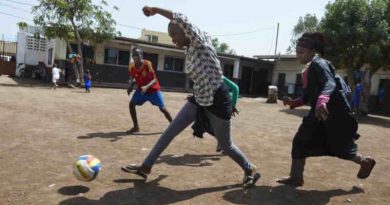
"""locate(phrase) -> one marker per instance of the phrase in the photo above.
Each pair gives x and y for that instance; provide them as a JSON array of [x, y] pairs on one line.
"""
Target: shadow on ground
[[73, 190], [114, 136], [189, 160], [376, 120], [152, 193], [285, 195], [146, 193], [300, 112]]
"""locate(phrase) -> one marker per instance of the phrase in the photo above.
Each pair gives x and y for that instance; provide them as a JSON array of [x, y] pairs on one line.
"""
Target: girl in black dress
[[329, 129]]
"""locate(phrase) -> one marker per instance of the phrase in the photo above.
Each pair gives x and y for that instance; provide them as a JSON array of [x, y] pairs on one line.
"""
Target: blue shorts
[[155, 98]]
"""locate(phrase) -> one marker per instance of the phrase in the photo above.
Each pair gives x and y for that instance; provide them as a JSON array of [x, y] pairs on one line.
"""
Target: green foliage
[[221, 47], [358, 34], [79, 20], [309, 23], [22, 25], [65, 18]]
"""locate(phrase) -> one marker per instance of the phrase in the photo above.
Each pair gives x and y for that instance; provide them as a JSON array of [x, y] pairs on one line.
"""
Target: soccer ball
[[86, 168]]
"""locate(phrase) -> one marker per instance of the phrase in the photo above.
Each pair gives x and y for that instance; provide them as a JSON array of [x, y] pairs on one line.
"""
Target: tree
[[221, 47], [309, 23], [79, 20], [358, 35], [22, 25]]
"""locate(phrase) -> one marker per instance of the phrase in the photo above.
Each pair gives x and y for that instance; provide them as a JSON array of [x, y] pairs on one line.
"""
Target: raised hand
[[287, 101], [235, 111], [148, 11]]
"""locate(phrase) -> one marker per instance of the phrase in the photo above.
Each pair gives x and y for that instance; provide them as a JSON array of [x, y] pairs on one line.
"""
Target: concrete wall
[[291, 67], [375, 80], [162, 36]]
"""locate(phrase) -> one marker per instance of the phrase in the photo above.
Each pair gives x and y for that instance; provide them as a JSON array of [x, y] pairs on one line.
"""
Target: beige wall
[[162, 36], [99, 54], [291, 67], [375, 79]]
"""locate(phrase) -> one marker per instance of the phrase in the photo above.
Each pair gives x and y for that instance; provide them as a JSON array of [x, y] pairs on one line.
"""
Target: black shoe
[[136, 169], [250, 180]]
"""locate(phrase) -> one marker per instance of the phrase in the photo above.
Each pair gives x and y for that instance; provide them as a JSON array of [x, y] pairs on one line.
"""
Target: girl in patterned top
[[210, 96]]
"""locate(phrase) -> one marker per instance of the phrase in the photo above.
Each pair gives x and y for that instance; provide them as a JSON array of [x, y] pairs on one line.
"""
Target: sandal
[[366, 167], [291, 181], [250, 180], [136, 169], [132, 130]]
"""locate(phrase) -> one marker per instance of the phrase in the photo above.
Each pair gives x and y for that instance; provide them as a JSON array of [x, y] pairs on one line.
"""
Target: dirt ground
[[43, 131]]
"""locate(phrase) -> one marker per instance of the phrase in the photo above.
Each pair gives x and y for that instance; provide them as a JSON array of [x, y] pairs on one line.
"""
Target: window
[[88, 52], [173, 64], [228, 71], [116, 56], [151, 38], [36, 44], [123, 57], [50, 56], [281, 79], [152, 57]]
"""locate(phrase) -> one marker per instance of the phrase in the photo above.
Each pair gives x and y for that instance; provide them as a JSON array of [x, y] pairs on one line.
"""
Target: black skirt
[[334, 137]]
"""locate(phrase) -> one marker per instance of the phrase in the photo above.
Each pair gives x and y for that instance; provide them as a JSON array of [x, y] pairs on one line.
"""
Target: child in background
[[87, 81], [55, 76]]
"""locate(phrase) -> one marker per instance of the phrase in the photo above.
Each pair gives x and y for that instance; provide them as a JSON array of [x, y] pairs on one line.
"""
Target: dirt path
[[43, 131]]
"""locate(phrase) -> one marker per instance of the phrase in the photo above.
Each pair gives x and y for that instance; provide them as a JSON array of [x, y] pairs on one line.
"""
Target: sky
[[247, 26]]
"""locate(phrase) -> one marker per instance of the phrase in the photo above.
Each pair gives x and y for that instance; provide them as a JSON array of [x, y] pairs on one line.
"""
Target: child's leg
[[166, 114], [221, 128], [366, 163], [185, 117], [157, 99], [296, 173]]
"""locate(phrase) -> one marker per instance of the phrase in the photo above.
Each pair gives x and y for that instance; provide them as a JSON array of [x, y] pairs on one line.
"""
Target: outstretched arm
[[151, 11]]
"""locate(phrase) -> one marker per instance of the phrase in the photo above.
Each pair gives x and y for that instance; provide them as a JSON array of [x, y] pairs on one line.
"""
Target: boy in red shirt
[[147, 87]]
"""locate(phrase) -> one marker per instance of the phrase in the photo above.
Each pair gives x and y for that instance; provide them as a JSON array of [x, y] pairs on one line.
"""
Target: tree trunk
[[70, 50], [80, 69]]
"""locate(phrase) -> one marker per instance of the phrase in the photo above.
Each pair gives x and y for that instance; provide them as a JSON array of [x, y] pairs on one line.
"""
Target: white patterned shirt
[[202, 62]]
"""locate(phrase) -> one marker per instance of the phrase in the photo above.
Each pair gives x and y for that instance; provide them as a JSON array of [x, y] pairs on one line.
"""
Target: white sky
[[252, 22]]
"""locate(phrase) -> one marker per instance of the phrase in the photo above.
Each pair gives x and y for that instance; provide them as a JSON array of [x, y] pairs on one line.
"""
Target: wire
[[21, 3], [248, 32], [15, 7], [133, 27], [16, 16]]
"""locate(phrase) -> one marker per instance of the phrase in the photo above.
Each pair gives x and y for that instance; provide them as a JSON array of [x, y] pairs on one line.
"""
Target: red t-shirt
[[144, 75]]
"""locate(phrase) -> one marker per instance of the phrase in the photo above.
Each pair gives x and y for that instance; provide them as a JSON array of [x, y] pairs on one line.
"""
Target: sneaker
[[139, 170], [249, 181]]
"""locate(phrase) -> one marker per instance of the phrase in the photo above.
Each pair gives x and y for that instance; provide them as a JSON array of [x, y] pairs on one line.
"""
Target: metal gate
[[7, 57]]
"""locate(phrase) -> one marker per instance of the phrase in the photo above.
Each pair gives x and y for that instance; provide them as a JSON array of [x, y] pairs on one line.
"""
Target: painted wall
[[162, 36]]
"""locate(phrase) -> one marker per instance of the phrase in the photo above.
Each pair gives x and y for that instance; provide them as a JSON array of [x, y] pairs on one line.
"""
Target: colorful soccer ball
[[86, 168]]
